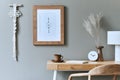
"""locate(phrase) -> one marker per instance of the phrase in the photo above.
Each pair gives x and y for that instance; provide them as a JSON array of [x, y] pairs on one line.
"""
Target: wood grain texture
[[76, 67], [106, 69]]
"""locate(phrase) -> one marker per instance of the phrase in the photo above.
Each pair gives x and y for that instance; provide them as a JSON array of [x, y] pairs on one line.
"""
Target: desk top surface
[[77, 65]]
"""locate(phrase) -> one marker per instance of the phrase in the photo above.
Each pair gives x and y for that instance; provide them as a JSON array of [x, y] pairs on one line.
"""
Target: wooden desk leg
[[55, 75]]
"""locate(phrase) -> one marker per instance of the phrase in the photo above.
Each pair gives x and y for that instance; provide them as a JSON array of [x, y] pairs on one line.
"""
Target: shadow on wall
[[66, 25], [105, 24]]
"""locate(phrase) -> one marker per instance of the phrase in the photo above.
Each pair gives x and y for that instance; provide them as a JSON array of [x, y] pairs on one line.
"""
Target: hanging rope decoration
[[15, 14]]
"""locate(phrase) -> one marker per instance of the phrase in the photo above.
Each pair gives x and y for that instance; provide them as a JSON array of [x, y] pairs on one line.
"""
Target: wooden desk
[[75, 66]]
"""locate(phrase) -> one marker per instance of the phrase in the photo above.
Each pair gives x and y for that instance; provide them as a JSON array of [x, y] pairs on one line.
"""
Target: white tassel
[[15, 14]]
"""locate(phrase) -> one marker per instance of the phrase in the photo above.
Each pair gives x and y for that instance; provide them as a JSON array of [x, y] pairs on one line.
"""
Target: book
[[77, 61]]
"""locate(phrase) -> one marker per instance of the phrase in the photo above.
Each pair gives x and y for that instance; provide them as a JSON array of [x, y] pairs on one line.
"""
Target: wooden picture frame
[[48, 25]]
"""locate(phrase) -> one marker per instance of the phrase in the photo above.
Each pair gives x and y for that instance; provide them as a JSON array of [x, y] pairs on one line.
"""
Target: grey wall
[[33, 59]]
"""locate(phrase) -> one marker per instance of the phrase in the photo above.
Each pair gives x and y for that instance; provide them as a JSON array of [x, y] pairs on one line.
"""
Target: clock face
[[93, 55]]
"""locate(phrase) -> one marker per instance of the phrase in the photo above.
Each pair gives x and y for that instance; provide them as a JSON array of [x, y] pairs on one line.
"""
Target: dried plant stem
[[92, 26]]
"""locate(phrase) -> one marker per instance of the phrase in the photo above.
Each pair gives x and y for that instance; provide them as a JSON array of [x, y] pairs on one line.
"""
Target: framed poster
[[48, 25]]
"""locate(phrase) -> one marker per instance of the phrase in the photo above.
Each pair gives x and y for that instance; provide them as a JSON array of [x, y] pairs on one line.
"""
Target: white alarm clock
[[92, 55]]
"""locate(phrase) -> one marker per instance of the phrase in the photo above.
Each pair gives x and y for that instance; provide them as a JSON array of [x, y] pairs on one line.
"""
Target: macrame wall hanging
[[15, 14]]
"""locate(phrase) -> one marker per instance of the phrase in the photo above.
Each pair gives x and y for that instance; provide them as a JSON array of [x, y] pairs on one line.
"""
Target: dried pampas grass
[[92, 26]]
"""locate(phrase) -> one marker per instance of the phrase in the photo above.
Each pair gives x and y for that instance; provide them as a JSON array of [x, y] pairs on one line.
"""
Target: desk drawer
[[75, 67]]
